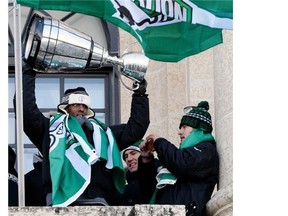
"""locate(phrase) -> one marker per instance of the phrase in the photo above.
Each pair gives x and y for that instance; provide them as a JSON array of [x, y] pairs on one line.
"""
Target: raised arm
[[33, 120], [139, 120]]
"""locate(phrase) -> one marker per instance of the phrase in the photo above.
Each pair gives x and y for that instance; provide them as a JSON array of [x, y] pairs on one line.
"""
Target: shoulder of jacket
[[49, 114]]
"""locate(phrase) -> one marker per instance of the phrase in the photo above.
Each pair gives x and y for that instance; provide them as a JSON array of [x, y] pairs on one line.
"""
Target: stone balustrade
[[137, 210]]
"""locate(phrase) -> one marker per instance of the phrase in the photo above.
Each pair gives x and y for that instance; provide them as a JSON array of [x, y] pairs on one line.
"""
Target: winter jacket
[[36, 127], [197, 169], [34, 194], [12, 178], [133, 194]]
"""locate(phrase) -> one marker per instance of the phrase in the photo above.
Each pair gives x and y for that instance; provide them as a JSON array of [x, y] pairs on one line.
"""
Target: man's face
[[184, 131], [131, 159], [77, 110]]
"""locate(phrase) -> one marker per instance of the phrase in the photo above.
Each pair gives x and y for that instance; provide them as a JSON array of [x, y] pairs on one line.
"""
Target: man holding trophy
[[81, 155]]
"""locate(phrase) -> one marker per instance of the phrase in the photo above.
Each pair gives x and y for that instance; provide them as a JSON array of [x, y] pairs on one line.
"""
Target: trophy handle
[[126, 86]]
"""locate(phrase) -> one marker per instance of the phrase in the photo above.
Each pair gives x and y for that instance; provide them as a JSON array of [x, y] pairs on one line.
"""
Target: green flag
[[168, 30], [71, 157]]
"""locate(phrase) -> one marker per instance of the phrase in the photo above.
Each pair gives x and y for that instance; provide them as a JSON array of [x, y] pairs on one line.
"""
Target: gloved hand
[[27, 69], [87, 128], [142, 87], [85, 123]]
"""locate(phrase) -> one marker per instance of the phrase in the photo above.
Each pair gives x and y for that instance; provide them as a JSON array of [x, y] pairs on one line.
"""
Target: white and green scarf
[[165, 177], [71, 157]]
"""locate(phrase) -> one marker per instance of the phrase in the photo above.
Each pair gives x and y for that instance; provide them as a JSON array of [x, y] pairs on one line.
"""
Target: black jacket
[[36, 127], [133, 193], [34, 194], [197, 169], [12, 178]]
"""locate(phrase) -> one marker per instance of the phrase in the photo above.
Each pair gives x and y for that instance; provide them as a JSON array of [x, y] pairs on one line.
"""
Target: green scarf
[[71, 157], [164, 177]]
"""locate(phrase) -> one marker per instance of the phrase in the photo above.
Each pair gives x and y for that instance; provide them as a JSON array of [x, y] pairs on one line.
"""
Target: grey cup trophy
[[52, 46]]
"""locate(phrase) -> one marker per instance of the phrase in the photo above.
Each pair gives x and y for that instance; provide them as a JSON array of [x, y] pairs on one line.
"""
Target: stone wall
[[137, 210]]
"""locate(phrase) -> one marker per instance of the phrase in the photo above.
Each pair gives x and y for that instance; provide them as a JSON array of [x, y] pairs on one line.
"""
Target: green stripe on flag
[[68, 185]]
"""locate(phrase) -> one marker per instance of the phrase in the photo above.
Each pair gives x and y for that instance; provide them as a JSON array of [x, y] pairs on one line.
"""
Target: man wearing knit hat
[[132, 194], [188, 174], [81, 155], [130, 155]]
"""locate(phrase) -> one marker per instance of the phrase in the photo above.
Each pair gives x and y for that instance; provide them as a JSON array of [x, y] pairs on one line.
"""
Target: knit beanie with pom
[[198, 117]]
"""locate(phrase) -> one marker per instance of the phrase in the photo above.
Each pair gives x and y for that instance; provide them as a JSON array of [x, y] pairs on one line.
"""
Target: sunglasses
[[187, 109]]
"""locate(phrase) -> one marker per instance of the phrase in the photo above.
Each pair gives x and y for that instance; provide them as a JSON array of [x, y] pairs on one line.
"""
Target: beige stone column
[[221, 203]]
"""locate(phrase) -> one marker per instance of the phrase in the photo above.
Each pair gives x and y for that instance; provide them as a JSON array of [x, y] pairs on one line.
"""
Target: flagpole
[[19, 103]]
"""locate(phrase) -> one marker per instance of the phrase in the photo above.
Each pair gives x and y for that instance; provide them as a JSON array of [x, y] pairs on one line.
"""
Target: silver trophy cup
[[52, 46]]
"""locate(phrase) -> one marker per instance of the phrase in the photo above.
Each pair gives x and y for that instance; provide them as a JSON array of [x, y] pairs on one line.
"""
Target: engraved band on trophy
[[52, 46]]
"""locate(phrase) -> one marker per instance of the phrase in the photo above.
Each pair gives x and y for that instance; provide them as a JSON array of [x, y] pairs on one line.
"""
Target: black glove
[[27, 69], [87, 128], [142, 87], [85, 123]]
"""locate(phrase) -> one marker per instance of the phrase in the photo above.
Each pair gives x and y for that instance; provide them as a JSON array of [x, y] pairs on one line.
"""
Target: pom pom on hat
[[198, 117], [76, 96]]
